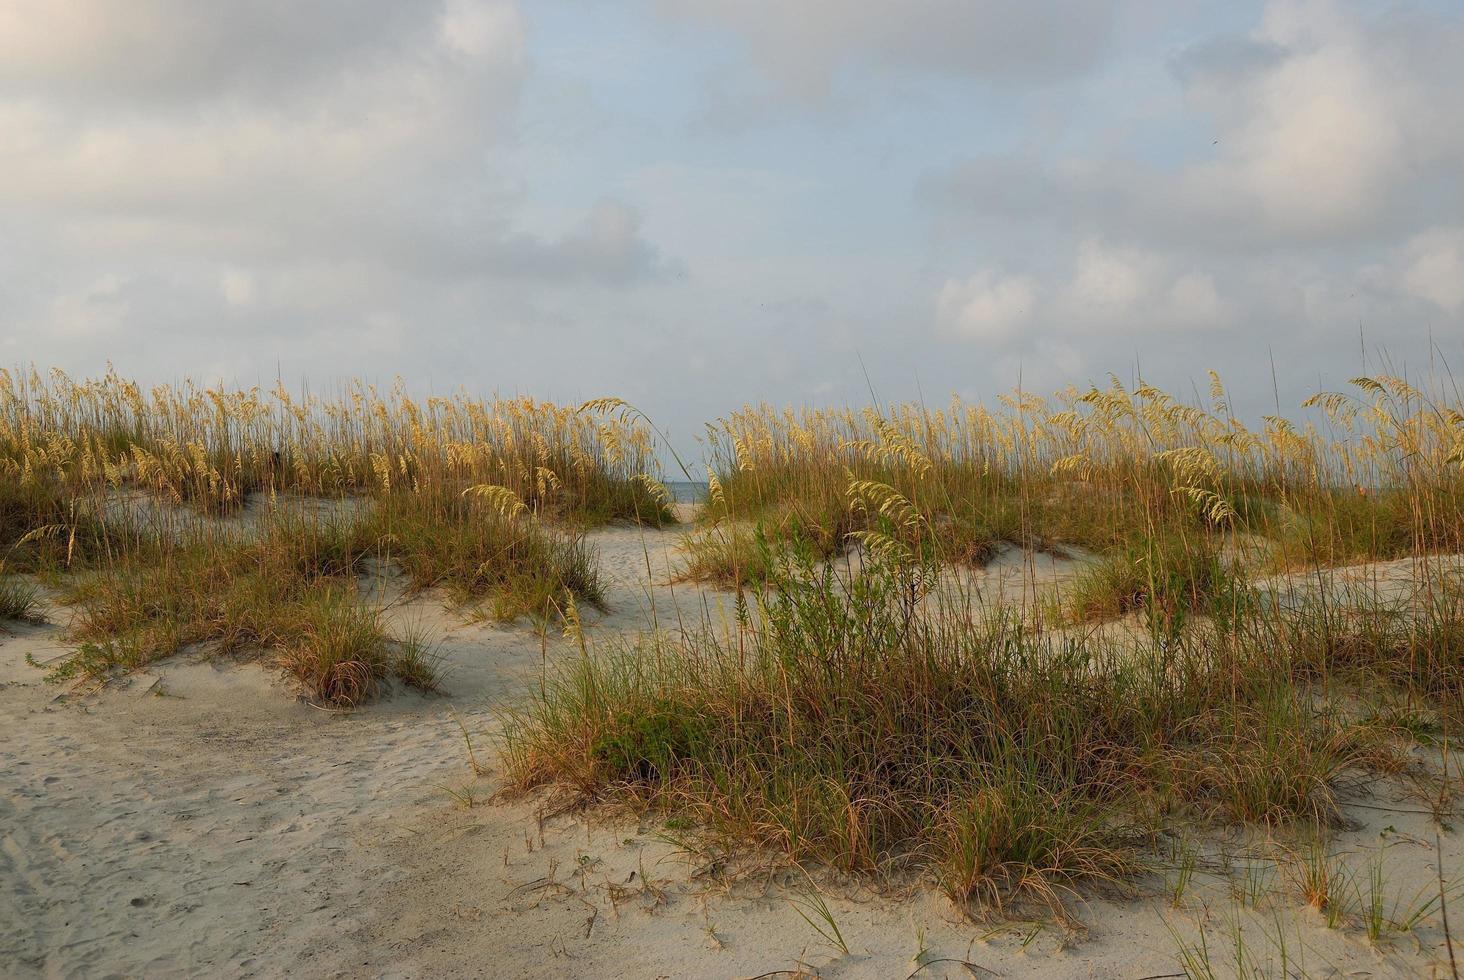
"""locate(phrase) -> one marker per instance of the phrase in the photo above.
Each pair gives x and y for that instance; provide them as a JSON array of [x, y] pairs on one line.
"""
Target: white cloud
[[237, 287], [1106, 290], [131, 51], [162, 141], [94, 312], [467, 191], [492, 32], [406, 115], [1299, 192], [1110, 281], [1323, 126], [1193, 299], [1433, 268], [1312, 139], [1115, 287], [986, 307]]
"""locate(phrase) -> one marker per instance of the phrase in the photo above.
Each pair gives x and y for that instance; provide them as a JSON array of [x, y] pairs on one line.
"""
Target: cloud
[[949, 192], [803, 48], [1433, 268], [133, 52], [268, 106], [1312, 138], [985, 307], [1305, 197], [1321, 127], [1130, 288], [1109, 281], [488, 32], [301, 169], [1192, 298], [237, 286], [1104, 290]]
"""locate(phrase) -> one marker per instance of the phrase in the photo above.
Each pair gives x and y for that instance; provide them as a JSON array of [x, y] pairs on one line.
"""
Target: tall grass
[[862, 721], [211, 447], [475, 550], [239, 520], [1375, 474], [18, 600], [881, 714]]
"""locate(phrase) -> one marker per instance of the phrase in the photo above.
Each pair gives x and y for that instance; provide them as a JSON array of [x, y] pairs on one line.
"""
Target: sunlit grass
[[262, 510], [877, 713]]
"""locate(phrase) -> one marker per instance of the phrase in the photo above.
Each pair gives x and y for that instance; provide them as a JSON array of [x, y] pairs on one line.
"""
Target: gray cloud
[[1321, 130], [437, 189], [1230, 59], [180, 172], [185, 51], [804, 47], [1312, 190]]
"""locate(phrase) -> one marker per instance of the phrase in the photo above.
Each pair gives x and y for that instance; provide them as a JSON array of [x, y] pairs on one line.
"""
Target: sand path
[[201, 821]]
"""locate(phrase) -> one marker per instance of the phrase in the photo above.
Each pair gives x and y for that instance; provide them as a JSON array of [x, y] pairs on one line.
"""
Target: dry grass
[[270, 506], [874, 715], [1376, 474], [211, 448], [859, 722], [475, 550], [885, 718], [287, 591]]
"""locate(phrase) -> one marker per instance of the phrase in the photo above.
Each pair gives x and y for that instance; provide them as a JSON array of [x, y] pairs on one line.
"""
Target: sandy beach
[[199, 819], [843, 489]]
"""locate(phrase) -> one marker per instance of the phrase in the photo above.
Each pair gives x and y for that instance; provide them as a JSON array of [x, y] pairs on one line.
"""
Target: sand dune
[[200, 820]]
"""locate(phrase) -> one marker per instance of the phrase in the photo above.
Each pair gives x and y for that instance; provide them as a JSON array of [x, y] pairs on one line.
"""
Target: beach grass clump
[[1009, 837], [1333, 526], [850, 721], [241, 519], [19, 600], [416, 661], [210, 448], [210, 586], [1166, 577], [289, 592], [730, 555], [289, 585], [335, 648], [1277, 759], [744, 541], [42, 528], [476, 549], [736, 553], [1413, 646], [1379, 475]]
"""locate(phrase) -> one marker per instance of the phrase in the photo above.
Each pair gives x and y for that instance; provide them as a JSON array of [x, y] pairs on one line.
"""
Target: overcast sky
[[694, 204]]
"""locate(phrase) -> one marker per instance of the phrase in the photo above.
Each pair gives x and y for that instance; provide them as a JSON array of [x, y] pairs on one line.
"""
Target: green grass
[[338, 651], [44, 528], [288, 586], [1330, 526], [881, 721], [1415, 648], [850, 724], [19, 600], [75, 455], [289, 593], [1166, 576], [461, 544], [416, 661]]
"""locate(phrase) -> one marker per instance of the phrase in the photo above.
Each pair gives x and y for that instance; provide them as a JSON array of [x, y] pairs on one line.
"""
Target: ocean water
[[687, 493]]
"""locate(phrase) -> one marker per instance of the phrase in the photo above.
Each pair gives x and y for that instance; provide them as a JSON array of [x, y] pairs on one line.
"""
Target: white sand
[[201, 821]]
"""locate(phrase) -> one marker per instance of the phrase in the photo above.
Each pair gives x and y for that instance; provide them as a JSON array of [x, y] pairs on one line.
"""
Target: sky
[[697, 204]]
